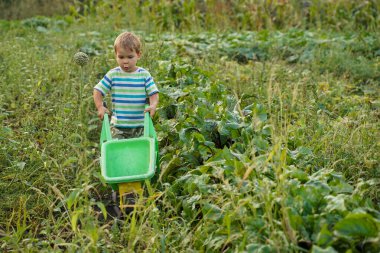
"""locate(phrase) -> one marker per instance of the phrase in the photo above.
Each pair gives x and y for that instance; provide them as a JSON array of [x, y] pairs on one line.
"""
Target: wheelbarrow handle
[[147, 120], [106, 130]]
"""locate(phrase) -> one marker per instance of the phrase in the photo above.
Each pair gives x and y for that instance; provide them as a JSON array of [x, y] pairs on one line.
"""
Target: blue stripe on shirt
[[154, 92], [106, 84], [130, 117], [129, 101], [128, 96], [128, 112], [138, 80], [150, 84], [128, 85], [107, 79]]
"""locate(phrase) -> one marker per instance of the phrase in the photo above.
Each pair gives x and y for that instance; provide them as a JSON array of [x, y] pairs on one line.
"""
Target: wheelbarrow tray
[[128, 160]]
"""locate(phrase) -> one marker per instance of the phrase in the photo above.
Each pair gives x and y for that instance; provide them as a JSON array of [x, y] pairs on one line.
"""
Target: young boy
[[130, 86]]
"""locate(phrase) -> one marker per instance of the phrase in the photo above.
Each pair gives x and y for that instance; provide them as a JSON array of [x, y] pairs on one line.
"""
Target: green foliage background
[[268, 127]]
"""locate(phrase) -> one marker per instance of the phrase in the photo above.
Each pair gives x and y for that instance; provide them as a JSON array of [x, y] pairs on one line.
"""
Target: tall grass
[[21, 9], [322, 112], [237, 15], [211, 15]]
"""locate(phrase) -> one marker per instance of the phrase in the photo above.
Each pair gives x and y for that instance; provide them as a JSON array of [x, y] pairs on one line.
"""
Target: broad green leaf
[[205, 151], [232, 125], [321, 186], [173, 164], [193, 199], [185, 133], [310, 197], [200, 183], [338, 185], [304, 151], [199, 137], [259, 248], [357, 225], [336, 203], [317, 249], [301, 175], [324, 237], [267, 130], [261, 144], [212, 212], [295, 219], [221, 154], [300, 152], [262, 117]]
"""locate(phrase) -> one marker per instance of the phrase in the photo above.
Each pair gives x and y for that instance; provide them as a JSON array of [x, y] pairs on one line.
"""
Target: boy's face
[[127, 59]]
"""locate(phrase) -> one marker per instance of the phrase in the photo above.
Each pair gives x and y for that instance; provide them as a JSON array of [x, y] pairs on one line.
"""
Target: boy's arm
[[153, 102], [98, 99]]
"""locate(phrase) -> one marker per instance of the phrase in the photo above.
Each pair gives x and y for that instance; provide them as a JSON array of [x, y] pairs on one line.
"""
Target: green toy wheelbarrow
[[125, 163]]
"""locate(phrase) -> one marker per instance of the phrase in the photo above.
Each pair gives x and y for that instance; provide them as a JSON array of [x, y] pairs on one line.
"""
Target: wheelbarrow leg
[[115, 205], [128, 194]]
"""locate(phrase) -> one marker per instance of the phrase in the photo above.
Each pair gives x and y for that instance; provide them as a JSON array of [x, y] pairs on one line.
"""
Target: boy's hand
[[151, 109], [153, 102], [101, 111], [98, 100]]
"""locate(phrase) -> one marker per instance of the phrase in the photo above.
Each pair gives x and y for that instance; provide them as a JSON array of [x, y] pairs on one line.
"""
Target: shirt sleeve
[[104, 86], [150, 85]]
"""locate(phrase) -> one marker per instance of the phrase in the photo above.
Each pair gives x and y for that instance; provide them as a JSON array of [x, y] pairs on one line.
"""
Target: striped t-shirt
[[129, 92]]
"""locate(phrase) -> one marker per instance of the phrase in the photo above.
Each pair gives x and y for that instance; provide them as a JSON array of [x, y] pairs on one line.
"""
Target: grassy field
[[268, 128]]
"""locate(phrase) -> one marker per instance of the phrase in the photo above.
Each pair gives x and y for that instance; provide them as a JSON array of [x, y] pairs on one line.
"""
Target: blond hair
[[128, 40]]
